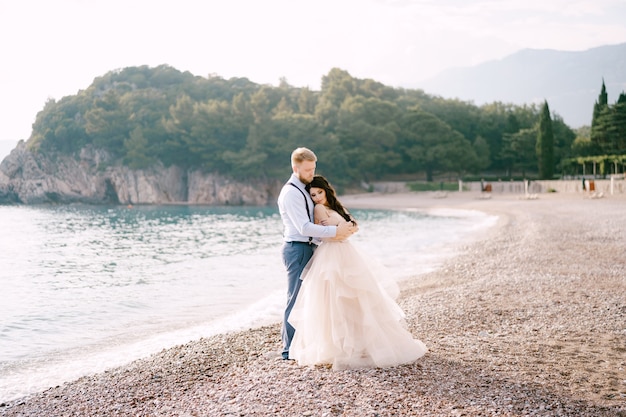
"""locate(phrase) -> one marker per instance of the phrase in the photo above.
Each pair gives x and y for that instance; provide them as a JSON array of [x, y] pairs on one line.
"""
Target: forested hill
[[359, 128]]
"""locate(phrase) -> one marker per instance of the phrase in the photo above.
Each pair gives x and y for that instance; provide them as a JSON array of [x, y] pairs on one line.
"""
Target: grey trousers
[[295, 257]]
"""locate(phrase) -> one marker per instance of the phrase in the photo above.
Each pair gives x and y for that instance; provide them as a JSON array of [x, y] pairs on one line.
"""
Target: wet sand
[[528, 319]]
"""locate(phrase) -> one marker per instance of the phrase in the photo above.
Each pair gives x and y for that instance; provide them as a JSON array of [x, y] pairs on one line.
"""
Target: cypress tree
[[619, 125], [603, 98], [600, 123], [545, 144]]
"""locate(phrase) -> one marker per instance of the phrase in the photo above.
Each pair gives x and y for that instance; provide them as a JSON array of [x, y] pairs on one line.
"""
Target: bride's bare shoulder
[[321, 210]]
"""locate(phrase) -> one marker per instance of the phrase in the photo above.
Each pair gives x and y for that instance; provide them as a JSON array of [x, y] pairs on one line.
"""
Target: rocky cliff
[[28, 177]]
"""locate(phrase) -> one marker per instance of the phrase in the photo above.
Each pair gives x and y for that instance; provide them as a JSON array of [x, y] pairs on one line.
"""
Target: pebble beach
[[528, 319]]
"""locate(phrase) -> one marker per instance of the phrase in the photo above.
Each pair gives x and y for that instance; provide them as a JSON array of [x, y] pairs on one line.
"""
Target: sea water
[[87, 288]]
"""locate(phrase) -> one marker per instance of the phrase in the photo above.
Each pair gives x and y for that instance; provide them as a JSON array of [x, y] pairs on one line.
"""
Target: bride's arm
[[344, 229], [320, 215]]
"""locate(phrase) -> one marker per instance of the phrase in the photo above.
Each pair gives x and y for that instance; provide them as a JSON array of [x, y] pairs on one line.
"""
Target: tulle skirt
[[346, 316]]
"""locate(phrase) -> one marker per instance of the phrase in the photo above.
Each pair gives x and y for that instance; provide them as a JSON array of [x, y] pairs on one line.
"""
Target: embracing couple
[[339, 311]]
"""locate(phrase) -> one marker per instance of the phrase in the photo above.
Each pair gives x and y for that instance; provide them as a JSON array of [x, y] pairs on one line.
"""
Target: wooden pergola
[[601, 164]]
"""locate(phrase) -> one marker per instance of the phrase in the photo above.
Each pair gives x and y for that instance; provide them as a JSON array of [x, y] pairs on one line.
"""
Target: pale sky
[[51, 49]]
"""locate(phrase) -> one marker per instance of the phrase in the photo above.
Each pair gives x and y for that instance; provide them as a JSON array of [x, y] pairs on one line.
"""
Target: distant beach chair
[[485, 191], [594, 194]]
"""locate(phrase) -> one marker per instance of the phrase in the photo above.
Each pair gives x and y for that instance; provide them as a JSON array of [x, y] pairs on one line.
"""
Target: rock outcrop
[[28, 177]]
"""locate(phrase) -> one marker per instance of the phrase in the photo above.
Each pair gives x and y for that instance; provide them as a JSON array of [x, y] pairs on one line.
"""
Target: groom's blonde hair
[[302, 154]]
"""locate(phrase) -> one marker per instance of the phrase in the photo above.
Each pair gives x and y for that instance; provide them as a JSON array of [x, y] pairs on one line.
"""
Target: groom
[[301, 235]]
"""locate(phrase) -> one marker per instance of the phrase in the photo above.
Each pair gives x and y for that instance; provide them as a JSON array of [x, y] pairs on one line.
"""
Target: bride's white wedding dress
[[345, 314]]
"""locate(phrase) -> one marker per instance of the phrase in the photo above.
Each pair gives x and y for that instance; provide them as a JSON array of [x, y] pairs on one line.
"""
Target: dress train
[[346, 315]]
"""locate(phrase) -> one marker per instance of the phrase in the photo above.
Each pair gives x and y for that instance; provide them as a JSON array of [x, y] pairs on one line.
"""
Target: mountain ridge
[[569, 80]]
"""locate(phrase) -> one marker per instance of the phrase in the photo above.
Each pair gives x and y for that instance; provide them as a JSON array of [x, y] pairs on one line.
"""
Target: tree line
[[602, 148], [360, 129]]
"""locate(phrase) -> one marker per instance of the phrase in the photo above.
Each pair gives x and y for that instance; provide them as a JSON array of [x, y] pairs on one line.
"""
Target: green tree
[[564, 138], [432, 146], [367, 130], [495, 121], [601, 122], [582, 145], [520, 150], [337, 86], [60, 126], [545, 144], [179, 124], [107, 123], [306, 101], [136, 147], [483, 157], [215, 132], [619, 125]]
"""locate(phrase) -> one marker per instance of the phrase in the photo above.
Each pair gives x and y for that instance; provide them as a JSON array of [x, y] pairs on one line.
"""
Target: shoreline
[[528, 319]]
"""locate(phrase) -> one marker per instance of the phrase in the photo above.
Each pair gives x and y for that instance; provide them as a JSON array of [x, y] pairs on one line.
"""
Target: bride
[[345, 314]]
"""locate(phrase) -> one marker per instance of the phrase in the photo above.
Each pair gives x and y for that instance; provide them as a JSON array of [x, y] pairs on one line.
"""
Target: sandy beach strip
[[529, 319]]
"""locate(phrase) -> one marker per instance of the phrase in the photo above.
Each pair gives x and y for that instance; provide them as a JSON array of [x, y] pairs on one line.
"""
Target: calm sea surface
[[89, 288]]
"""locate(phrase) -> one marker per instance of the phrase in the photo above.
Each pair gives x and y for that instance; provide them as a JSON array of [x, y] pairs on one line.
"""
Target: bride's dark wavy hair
[[331, 196]]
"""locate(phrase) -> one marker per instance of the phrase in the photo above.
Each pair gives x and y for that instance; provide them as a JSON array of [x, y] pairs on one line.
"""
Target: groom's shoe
[[275, 355]]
